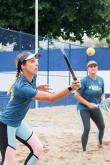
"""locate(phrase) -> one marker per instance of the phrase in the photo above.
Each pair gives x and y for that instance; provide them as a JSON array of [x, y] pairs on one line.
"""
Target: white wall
[[57, 80]]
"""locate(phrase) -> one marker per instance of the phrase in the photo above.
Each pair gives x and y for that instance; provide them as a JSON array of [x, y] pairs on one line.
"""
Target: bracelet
[[70, 88]]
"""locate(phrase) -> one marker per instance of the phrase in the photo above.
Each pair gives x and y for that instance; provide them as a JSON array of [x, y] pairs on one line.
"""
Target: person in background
[[91, 93], [22, 92]]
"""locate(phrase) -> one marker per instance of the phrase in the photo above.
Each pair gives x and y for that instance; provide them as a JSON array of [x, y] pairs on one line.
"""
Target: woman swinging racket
[[23, 91]]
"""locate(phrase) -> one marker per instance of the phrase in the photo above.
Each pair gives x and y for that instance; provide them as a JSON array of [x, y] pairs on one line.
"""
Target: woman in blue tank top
[[91, 93], [23, 91]]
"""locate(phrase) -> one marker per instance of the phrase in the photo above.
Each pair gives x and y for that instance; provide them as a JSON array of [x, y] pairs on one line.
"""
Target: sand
[[59, 129]]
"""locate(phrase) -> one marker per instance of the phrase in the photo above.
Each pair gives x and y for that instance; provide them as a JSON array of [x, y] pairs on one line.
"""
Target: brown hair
[[18, 69]]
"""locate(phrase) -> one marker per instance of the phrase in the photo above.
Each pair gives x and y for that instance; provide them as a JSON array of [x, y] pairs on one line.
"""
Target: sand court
[[59, 129]]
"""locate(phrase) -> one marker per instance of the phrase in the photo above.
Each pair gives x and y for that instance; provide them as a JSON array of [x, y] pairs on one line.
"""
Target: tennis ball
[[90, 51]]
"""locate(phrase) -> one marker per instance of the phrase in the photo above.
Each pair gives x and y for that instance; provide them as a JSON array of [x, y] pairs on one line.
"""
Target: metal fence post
[[48, 62]]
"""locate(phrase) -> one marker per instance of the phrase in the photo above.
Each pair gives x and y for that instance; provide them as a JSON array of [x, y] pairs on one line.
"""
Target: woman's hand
[[92, 105], [75, 85], [44, 88]]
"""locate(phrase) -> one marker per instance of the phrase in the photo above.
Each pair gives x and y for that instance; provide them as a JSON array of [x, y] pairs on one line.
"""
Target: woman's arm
[[81, 99], [51, 97], [44, 88], [84, 101]]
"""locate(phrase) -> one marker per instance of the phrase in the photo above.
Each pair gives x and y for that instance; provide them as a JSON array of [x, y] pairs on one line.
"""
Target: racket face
[[105, 105]]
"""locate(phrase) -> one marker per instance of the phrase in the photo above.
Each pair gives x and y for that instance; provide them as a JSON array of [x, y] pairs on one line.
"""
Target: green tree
[[18, 15], [71, 19]]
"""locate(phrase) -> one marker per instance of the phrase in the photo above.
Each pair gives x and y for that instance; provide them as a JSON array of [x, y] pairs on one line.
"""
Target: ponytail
[[18, 72]]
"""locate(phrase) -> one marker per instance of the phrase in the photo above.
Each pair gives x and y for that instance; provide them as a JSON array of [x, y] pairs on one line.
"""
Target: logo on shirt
[[94, 87]]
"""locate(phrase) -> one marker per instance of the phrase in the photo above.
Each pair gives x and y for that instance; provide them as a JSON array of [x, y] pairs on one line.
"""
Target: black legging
[[97, 117]]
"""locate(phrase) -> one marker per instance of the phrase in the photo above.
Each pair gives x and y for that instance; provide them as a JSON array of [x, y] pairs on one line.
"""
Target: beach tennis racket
[[68, 64], [104, 105]]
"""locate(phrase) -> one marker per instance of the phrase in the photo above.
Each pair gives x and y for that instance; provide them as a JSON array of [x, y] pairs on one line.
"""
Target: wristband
[[70, 89]]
